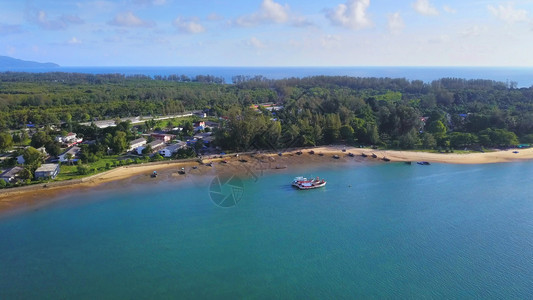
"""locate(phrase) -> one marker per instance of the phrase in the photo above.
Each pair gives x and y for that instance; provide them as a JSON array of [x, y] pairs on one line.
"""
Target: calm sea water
[[380, 231], [523, 76]]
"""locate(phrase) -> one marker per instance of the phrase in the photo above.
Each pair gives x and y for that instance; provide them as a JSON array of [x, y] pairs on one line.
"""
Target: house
[[20, 158], [11, 174], [47, 171], [207, 137], [155, 145], [200, 125], [136, 144], [72, 151], [171, 149], [69, 140], [163, 136]]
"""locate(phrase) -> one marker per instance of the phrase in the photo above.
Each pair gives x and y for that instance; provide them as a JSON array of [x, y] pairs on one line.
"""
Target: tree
[[32, 157], [6, 141], [428, 141], [147, 150], [40, 139], [26, 173], [69, 157], [53, 148], [119, 143], [347, 133]]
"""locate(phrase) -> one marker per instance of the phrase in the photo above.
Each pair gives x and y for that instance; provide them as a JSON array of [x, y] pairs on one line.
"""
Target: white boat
[[303, 183]]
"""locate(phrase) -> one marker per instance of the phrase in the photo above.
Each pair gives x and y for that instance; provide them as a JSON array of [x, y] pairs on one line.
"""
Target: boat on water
[[424, 163], [303, 183], [385, 158]]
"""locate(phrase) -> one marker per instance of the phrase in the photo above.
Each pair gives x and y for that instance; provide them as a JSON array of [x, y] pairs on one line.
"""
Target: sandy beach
[[248, 165]]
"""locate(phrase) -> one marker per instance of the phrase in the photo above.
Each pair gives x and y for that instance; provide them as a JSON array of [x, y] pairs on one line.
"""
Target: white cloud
[[255, 43], [188, 26], [269, 11], [129, 19], [74, 41], [425, 8], [330, 41], [508, 13], [40, 17], [351, 15], [215, 17], [396, 23], [150, 2], [449, 9]]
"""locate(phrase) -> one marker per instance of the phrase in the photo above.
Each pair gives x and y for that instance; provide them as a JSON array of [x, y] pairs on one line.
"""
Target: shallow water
[[382, 231]]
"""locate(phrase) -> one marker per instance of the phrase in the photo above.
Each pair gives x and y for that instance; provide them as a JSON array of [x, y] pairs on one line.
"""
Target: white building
[[172, 149], [73, 151], [137, 143], [155, 145]]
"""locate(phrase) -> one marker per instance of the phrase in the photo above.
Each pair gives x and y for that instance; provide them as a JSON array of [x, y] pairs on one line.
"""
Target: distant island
[[7, 62]]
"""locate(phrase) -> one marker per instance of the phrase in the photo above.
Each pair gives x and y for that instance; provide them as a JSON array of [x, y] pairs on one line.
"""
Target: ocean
[[523, 76], [386, 230]]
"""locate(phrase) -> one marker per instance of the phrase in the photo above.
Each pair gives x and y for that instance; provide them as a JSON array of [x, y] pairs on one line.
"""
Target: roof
[[140, 140], [72, 150], [47, 168], [157, 143], [174, 147], [11, 172]]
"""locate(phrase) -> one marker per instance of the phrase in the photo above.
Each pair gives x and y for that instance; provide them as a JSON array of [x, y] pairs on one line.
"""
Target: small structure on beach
[[47, 171]]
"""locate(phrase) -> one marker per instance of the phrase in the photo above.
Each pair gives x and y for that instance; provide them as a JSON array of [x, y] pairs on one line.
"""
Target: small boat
[[243, 160], [278, 167], [385, 158], [154, 174], [407, 162], [363, 154], [209, 164], [374, 155], [299, 153], [182, 171], [515, 152], [320, 154], [311, 152], [336, 156], [343, 150], [423, 163], [351, 154], [223, 161], [303, 183], [194, 167], [280, 154]]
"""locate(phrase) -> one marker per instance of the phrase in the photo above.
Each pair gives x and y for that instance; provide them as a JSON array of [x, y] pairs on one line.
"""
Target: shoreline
[[33, 195]]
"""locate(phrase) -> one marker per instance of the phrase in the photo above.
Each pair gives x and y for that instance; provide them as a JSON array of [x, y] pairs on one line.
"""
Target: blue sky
[[268, 32]]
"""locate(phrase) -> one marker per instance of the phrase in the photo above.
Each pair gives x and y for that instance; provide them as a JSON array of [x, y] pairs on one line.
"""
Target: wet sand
[[247, 165]]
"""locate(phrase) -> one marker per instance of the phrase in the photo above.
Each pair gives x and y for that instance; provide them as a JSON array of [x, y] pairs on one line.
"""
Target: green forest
[[445, 114]]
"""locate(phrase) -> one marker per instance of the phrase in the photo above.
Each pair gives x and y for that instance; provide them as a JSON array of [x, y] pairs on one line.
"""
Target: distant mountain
[[7, 62]]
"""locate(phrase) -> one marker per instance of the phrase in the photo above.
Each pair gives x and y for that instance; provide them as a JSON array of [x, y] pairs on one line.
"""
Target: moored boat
[[310, 184], [424, 163]]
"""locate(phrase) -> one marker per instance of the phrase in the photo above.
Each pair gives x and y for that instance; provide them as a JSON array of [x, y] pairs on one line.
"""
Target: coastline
[[33, 195]]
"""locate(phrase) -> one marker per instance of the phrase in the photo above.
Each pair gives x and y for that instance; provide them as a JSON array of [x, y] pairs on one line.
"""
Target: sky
[[268, 32]]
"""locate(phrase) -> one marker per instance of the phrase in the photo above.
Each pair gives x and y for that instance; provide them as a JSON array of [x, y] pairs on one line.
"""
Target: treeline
[[389, 112]]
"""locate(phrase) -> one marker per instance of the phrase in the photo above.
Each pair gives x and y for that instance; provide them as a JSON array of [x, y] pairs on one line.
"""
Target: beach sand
[[31, 196]]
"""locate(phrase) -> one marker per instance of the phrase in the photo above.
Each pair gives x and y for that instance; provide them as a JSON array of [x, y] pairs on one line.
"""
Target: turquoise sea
[[390, 231]]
